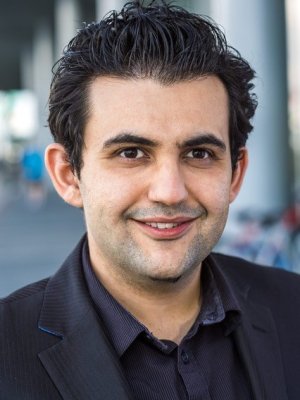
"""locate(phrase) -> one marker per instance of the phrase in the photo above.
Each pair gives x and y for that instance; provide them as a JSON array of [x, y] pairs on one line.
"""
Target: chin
[[167, 279]]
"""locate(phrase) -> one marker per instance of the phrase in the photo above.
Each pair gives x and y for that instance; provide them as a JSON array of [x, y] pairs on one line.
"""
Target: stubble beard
[[136, 268]]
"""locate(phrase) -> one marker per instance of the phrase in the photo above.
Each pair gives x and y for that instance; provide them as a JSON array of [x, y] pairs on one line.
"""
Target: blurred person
[[150, 110], [32, 165]]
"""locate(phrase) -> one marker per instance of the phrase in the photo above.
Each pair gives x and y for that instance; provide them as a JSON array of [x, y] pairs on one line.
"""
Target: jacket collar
[[83, 364]]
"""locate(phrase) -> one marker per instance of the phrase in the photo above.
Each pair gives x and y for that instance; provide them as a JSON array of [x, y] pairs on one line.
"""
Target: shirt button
[[185, 357]]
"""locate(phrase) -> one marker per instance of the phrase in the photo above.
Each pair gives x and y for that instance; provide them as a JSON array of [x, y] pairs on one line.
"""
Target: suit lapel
[[259, 347], [256, 339], [83, 364]]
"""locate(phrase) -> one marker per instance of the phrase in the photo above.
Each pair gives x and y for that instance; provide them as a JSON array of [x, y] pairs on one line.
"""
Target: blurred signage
[[18, 115]]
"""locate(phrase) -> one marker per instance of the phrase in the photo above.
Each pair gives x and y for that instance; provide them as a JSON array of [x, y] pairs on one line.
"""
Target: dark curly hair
[[159, 41]]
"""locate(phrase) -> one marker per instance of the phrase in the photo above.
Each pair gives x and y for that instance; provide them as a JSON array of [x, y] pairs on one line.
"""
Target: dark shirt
[[205, 365]]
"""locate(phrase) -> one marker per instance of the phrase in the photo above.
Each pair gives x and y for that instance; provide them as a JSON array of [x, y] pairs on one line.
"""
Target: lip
[[168, 233], [166, 220]]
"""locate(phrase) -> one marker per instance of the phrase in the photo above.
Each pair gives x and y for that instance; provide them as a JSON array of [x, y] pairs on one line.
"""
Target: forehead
[[161, 112]]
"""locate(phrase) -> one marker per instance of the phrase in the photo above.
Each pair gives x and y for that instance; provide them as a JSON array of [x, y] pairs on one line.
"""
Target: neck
[[168, 310]]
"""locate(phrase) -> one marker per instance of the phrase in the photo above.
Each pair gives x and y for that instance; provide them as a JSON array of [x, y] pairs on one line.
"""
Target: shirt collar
[[231, 306], [219, 304]]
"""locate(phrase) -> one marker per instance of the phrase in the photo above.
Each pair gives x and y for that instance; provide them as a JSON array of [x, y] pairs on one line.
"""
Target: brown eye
[[198, 153], [131, 152]]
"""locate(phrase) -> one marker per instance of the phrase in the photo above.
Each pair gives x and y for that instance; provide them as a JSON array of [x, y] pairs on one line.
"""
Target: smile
[[166, 230], [161, 225]]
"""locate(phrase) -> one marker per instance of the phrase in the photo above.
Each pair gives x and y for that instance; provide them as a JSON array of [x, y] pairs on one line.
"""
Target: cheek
[[213, 193], [110, 195]]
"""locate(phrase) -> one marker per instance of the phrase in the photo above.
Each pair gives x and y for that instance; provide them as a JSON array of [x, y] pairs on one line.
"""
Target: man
[[150, 111]]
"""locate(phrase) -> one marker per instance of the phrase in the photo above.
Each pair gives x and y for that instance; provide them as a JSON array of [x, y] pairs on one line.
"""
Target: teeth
[[161, 225]]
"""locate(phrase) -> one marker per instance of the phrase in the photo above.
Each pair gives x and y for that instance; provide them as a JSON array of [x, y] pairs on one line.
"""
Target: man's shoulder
[[33, 293], [24, 299], [243, 267], [21, 372], [265, 283]]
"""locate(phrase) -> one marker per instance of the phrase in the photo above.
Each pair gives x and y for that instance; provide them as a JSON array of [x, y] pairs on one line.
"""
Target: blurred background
[[37, 230]]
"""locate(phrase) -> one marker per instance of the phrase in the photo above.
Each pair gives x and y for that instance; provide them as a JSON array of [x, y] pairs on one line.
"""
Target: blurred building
[[33, 34]]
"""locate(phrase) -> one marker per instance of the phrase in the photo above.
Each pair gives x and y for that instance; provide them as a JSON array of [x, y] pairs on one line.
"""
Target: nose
[[167, 185]]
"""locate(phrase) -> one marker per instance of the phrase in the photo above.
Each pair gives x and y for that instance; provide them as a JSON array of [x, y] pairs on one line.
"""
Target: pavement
[[34, 238]]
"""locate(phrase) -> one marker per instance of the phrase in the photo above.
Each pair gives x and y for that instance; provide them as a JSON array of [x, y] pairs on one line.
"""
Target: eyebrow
[[129, 138], [201, 139]]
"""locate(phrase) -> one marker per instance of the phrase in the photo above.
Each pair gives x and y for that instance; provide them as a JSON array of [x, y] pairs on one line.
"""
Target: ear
[[238, 174], [61, 174]]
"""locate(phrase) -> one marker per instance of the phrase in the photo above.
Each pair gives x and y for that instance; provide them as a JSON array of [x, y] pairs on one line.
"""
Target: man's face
[[156, 180]]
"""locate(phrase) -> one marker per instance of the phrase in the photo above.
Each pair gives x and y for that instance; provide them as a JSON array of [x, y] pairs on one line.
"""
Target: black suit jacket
[[53, 345]]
